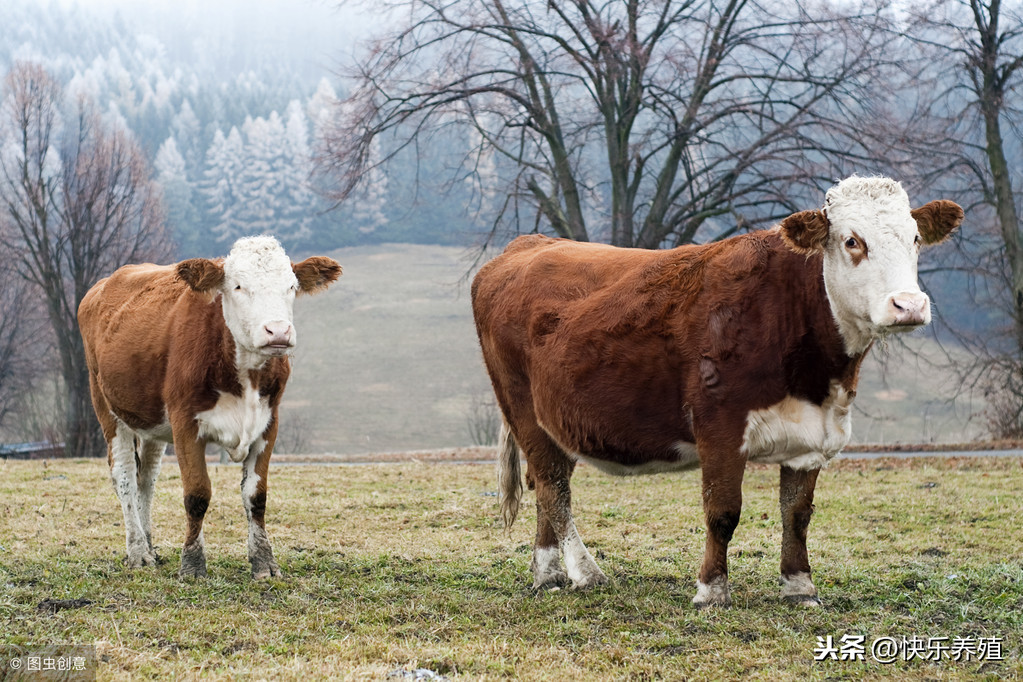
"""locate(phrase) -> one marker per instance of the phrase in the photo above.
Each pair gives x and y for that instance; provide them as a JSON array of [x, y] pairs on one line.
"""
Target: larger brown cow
[[744, 350], [195, 353]]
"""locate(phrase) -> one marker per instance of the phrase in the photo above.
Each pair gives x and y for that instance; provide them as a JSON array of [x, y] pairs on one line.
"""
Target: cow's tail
[[509, 476]]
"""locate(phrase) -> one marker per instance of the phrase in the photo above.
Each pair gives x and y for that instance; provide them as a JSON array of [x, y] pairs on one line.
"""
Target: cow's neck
[[857, 335], [237, 363], [840, 341], [247, 361]]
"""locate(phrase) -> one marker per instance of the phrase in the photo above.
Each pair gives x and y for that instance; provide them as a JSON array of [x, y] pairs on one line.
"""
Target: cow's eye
[[852, 243], [916, 240]]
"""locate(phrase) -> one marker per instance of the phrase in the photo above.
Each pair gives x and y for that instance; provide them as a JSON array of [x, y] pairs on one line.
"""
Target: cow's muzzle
[[909, 310], [279, 339]]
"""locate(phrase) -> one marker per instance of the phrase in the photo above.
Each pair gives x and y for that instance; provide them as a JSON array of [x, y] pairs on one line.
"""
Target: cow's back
[[127, 323]]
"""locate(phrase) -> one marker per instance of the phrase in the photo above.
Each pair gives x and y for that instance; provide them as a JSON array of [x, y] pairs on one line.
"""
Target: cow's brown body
[[159, 353], [689, 339], [165, 367], [642, 361]]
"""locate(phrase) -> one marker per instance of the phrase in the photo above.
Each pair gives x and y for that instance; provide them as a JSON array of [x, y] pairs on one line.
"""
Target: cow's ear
[[937, 220], [202, 275], [316, 273], [806, 231]]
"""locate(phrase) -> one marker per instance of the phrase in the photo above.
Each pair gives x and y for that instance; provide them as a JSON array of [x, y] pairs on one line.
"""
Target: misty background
[[228, 99]]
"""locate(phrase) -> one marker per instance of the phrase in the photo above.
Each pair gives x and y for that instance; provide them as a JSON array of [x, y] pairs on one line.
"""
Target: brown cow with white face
[[743, 350], [195, 353]]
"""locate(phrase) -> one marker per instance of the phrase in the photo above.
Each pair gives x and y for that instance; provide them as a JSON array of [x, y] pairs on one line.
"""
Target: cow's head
[[870, 240], [257, 284]]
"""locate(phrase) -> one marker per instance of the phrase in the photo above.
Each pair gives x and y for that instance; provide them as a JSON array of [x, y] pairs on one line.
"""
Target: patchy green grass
[[393, 567]]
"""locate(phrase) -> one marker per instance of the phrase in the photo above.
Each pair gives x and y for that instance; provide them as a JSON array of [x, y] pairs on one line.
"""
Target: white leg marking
[[123, 474], [582, 569], [714, 593], [150, 459], [799, 589], [547, 568], [261, 555]]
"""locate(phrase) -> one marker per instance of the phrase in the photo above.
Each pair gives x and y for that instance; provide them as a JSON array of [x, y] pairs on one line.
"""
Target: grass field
[[391, 568]]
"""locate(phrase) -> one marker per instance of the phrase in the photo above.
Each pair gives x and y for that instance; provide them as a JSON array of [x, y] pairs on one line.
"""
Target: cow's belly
[[798, 433], [236, 423], [637, 457], [685, 458]]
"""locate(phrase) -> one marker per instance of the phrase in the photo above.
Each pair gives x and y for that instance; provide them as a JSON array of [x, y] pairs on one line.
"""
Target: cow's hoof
[[550, 580], [548, 573], [712, 595], [590, 578], [193, 563], [140, 556], [799, 589], [188, 572], [810, 601], [265, 570]]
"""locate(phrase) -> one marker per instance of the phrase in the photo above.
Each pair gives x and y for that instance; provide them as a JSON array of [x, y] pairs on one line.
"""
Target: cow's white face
[[258, 293], [257, 284], [870, 239]]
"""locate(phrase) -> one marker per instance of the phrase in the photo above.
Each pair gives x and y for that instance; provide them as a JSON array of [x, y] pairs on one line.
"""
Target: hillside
[[388, 361]]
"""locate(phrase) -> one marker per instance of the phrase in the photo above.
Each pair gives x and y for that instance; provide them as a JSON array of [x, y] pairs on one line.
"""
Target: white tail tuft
[[509, 477]]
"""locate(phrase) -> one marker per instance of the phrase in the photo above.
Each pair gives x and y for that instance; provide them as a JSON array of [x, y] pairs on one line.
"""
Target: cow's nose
[[909, 308], [278, 333]]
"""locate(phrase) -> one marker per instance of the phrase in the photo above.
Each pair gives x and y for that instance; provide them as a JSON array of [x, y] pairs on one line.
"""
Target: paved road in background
[[931, 453]]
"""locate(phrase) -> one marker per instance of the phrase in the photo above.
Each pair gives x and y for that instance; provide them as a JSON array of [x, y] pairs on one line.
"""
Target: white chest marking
[[798, 433], [236, 422]]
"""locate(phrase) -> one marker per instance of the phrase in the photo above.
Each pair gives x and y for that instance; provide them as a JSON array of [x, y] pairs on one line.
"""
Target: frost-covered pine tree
[[368, 212], [186, 129], [320, 107], [301, 202], [178, 195], [225, 160], [263, 177]]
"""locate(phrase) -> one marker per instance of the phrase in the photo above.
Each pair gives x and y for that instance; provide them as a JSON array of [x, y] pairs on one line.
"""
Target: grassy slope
[[391, 566], [388, 361]]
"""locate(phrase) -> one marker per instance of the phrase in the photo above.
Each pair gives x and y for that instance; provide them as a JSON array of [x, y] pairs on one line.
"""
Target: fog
[[308, 38]]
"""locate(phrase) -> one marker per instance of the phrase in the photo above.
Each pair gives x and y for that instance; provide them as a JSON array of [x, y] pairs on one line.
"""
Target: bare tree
[[19, 359], [78, 201], [963, 136], [687, 118]]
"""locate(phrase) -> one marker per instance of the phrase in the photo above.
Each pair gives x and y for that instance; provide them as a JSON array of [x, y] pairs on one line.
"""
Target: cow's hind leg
[[548, 472], [148, 460], [796, 501], [124, 471], [254, 486]]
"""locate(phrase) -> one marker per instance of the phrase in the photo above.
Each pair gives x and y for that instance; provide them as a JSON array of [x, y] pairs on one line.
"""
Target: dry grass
[[400, 566]]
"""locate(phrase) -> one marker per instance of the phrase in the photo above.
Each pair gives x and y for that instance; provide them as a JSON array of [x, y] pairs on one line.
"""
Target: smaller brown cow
[[743, 350], [195, 353]]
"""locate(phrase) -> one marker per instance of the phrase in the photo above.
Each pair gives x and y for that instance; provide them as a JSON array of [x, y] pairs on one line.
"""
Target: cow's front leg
[[191, 454], [254, 486], [796, 501], [124, 475], [556, 532], [722, 471]]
